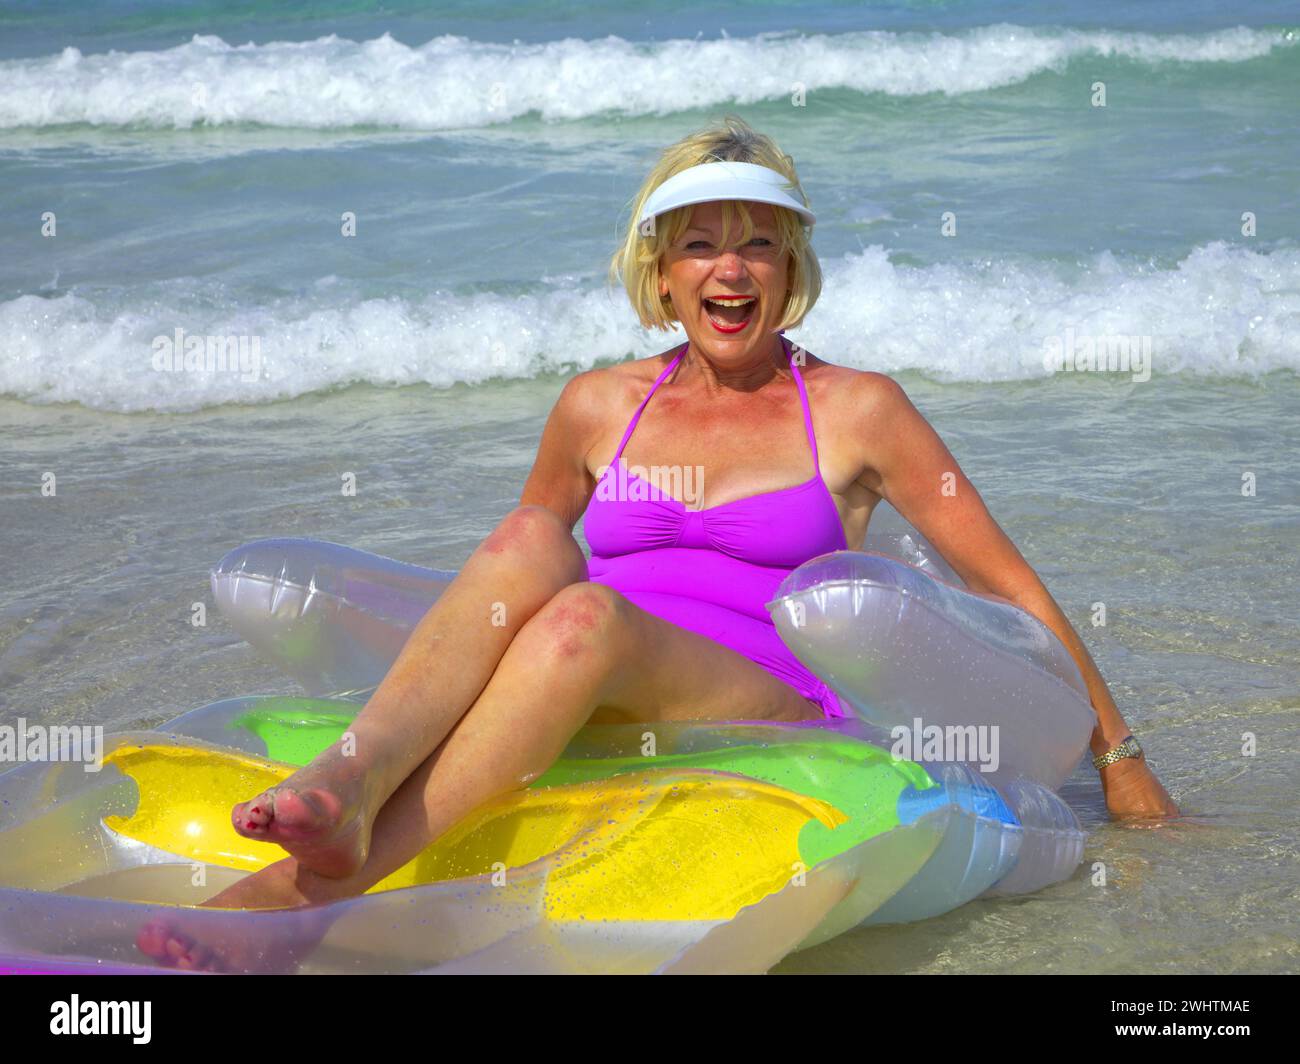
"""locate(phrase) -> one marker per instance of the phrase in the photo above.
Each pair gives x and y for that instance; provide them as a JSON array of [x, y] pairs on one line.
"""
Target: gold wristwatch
[[1128, 748]]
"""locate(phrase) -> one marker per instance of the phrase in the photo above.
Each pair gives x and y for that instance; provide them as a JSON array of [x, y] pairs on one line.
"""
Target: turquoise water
[[197, 159], [198, 166]]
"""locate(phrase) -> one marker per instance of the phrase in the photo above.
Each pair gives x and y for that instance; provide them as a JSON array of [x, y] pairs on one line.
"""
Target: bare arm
[[559, 479], [909, 465]]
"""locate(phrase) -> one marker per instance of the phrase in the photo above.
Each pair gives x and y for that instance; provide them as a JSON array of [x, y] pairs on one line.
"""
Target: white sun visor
[[721, 181]]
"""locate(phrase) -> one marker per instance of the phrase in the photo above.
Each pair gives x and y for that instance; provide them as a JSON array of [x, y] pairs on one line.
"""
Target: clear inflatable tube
[[332, 617], [912, 652], [64, 855], [87, 858]]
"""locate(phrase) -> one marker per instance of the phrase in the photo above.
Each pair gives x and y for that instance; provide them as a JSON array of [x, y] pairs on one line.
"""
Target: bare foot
[[240, 942], [318, 814]]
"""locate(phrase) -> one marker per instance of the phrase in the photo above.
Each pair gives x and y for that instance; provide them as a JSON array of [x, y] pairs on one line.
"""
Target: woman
[[774, 457]]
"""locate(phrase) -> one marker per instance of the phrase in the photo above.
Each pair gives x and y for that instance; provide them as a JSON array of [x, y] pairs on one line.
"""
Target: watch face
[[1128, 748]]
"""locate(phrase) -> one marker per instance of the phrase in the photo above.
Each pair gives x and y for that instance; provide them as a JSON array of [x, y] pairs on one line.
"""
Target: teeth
[[731, 301]]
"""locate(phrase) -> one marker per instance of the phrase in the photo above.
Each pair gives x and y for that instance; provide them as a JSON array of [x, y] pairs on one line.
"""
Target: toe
[[253, 816], [152, 940], [176, 948], [197, 958]]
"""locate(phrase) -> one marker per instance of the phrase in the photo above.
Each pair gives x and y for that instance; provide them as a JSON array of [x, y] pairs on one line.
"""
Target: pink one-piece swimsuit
[[713, 571]]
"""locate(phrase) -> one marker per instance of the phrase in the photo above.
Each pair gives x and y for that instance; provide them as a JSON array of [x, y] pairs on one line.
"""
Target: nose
[[731, 264]]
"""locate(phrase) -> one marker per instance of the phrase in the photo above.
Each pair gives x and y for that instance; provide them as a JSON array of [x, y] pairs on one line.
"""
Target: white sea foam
[[452, 82], [1222, 311]]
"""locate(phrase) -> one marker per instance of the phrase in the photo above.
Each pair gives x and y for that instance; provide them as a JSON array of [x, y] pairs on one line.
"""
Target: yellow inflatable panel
[[660, 845], [181, 810]]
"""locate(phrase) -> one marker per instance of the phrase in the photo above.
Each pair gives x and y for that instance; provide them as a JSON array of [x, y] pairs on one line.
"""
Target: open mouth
[[730, 314]]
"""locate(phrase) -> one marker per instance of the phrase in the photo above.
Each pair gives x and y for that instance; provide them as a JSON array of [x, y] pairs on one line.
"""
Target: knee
[[583, 625], [537, 537]]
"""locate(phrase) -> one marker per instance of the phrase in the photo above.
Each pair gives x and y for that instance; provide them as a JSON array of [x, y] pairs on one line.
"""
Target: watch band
[[1128, 748]]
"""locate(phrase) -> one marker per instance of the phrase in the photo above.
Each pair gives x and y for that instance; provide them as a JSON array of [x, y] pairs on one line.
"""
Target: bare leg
[[323, 814], [588, 655]]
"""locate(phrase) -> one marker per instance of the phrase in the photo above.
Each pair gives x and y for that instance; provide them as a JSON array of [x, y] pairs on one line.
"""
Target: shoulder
[[873, 425], [853, 394], [596, 390], [592, 398]]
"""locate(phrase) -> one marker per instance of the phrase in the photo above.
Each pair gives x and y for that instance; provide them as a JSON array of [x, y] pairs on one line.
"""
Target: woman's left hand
[[1132, 790]]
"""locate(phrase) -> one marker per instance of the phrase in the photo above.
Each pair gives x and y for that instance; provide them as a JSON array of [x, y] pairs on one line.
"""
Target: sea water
[[172, 171]]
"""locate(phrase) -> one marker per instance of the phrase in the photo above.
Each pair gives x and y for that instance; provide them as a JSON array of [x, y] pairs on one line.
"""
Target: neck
[[747, 376]]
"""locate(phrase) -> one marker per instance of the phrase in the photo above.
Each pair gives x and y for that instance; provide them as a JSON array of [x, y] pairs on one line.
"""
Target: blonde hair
[[636, 263]]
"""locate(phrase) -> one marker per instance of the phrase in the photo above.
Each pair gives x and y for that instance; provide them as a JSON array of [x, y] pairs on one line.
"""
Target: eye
[[761, 240]]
